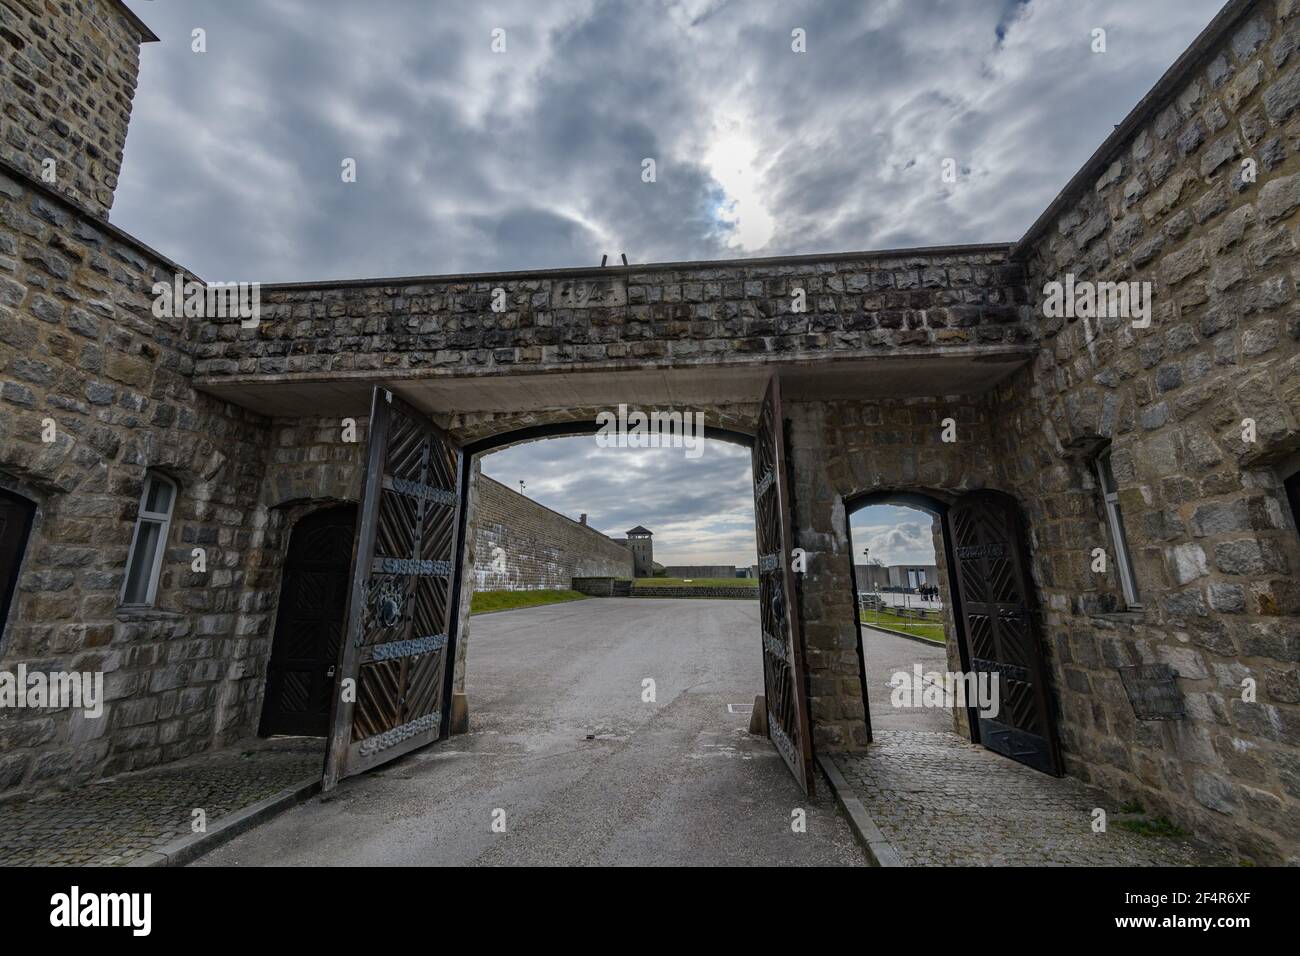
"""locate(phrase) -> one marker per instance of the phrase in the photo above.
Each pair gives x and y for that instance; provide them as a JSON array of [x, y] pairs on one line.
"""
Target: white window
[[1110, 493], [144, 561]]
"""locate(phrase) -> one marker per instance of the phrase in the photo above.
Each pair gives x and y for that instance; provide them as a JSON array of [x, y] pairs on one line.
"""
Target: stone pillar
[[828, 615]]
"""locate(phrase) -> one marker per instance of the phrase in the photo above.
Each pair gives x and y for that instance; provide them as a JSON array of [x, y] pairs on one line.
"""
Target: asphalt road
[[584, 770]]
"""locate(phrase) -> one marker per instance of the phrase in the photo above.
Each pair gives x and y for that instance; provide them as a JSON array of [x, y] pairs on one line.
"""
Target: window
[[1292, 486], [149, 541], [1110, 493], [16, 514]]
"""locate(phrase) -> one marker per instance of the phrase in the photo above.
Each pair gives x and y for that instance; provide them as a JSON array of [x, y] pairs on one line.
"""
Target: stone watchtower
[[643, 558]]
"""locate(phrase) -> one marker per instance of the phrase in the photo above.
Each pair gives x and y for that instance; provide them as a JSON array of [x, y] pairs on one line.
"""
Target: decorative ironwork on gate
[[783, 666], [402, 602], [1001, 633]]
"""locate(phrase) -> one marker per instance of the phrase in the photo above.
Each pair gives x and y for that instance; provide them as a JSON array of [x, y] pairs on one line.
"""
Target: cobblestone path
[[942, 801], [111, 822]]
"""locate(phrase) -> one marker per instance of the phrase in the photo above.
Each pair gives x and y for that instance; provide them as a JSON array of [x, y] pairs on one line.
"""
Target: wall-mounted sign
[[1153, 691]]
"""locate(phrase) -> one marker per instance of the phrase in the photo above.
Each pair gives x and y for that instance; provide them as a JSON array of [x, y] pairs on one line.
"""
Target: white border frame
[[165, 520], [1115, 522]]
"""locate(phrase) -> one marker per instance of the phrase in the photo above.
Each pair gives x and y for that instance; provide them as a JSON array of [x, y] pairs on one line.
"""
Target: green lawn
[[695, 582], [486, 601], [930, 630]]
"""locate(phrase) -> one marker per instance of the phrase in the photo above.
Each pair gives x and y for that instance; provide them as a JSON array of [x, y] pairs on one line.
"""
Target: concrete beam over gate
[[907, 373]]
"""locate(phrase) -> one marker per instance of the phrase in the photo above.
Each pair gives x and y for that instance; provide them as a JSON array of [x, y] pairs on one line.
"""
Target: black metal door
[[309, 624], [783, 666], [395, 667], [15, 523], [1001, 627]]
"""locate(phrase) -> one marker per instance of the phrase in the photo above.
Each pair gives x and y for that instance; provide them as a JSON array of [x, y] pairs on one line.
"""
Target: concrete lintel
[[900, 373]]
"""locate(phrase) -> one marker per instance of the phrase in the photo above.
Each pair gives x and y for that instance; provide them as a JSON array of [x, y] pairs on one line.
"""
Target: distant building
[[897, 577], [643, 559], [871, 577]]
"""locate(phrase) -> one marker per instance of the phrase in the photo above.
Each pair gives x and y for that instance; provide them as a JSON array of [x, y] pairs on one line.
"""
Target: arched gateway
[[890, 347], [406, 624]]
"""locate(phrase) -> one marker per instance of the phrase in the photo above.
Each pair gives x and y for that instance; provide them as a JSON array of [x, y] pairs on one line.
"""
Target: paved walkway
[[942, 801], [114, 821], [568, 762], [886, 655]]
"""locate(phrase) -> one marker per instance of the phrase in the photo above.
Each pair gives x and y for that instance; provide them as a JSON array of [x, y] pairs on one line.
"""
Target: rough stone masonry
[[1196, 192]]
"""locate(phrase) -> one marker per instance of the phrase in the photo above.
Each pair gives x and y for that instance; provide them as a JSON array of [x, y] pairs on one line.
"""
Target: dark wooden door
[[395, 668], [1001, 627], [309, 624], [15, 524], [783, 665]]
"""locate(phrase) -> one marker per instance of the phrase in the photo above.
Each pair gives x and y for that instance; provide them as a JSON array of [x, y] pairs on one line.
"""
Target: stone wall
[[1170, 201], [687, 591], [84, 363], [67, 77], [841, 450], [677, 314], [700, 570], [540, 548]]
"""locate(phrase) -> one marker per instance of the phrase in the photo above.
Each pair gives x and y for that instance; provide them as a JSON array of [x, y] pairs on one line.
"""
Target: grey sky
[[470, 160], [701, 510]]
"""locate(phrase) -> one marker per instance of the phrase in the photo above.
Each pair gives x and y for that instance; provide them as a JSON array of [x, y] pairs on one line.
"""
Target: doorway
[[987, 598], [309, 624], [405, 603]]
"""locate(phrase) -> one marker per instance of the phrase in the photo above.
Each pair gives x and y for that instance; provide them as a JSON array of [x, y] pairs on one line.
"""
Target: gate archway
[[997, 627], [400, 658]]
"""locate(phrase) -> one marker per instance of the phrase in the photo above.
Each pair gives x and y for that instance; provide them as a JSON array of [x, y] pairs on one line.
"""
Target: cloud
[[700, 510], [470, 160], [895, 535]]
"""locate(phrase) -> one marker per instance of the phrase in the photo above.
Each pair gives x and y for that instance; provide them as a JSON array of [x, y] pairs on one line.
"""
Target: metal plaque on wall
[[1153, 691]]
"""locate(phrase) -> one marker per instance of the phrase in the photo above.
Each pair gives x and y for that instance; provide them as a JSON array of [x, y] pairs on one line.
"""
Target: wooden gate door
[[309, 624], [401, 636], [1001, 629], [783, 665]]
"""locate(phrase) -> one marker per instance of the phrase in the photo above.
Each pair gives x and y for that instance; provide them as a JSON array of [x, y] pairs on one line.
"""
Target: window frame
[[1109, 489], [164, 521]]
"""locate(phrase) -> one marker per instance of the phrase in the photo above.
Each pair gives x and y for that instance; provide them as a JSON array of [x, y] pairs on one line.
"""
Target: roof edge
[[1165, 89], [79, 209], [632, 269], [141, 28]]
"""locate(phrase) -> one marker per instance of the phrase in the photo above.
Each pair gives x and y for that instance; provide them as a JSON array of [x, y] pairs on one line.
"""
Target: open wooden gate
[[783, 666], [1002, 633], [401, 630]]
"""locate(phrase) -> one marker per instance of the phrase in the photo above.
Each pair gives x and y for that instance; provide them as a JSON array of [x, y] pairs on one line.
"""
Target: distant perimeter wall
[[540, 548], [700, 571]]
